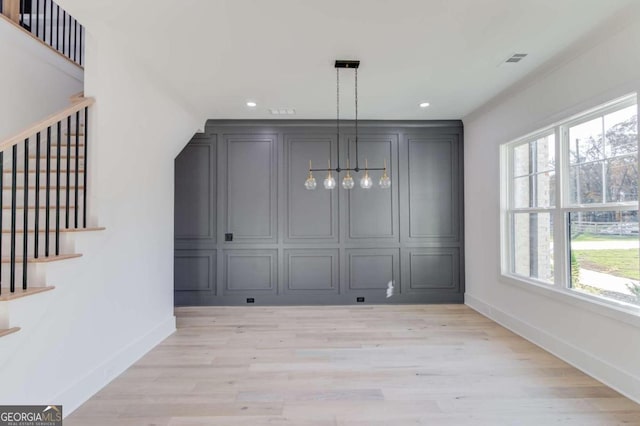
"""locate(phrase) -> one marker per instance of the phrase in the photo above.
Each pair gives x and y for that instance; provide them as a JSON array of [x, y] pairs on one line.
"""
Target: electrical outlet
[[360, 299], [251, 300], [228, 236]]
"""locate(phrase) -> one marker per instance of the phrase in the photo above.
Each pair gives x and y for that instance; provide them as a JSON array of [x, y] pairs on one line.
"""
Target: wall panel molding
[[291, 246], [251, 187], [196, 194], [308, 271], [373, 214], [250, 271], [310, 216], [431, 269], [372, 269]]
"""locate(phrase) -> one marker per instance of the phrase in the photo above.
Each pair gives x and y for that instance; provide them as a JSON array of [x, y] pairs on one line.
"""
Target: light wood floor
[[356, 366]]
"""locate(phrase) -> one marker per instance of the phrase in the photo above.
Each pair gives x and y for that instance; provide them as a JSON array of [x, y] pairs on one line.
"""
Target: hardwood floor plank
[[350, 366]]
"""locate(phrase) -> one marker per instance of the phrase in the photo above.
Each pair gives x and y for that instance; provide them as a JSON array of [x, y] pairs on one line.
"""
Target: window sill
[[619, 312]]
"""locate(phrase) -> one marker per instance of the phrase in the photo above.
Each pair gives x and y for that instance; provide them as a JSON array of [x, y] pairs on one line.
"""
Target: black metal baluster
[[58, 188], [69, 38], [80, 47], [75, 213], [1, 212], [68, 171], [25, 222], [14, 162], [37, 193], [64, 30], [51, 23], [47, 195], [75, 39], [84, 171], [22, 13], [37, 18], [57, 27], [44, 22]]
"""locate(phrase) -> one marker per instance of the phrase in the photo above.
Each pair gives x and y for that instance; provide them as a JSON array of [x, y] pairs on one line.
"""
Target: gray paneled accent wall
[[246, 229]]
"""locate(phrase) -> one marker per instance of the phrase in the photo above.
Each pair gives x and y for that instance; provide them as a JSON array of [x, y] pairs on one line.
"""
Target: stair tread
[[53, 229], [7, 331], [19, 293], [43, 259]]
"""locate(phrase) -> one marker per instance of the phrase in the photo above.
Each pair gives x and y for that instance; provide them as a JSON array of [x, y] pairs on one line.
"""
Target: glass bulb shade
[[385, 182], [366, 182], [329, 182], [347, 182], [310, 183]]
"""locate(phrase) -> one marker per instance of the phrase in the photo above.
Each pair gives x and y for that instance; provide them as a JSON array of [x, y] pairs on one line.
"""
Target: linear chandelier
[[347, 182]]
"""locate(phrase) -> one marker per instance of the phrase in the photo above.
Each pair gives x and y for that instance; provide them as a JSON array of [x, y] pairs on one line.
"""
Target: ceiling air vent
[[282, 111], [515, 58]]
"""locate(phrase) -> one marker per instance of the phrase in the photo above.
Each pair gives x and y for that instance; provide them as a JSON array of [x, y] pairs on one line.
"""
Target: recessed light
[[424, 104], [252, 104]]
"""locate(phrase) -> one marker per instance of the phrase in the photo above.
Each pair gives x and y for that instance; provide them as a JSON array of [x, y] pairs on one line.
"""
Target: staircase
[[43, 172]]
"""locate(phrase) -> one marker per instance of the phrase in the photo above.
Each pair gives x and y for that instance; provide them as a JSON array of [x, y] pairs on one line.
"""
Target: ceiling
[[215, 55]]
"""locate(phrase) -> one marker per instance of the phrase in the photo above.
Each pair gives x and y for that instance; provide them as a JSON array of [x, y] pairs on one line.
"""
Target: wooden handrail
[[45, 123]]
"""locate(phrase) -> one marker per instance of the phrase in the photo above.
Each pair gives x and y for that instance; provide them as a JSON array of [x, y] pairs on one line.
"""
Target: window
[[570, 205]]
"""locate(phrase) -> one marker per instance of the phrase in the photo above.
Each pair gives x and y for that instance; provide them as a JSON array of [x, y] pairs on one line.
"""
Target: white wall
[[603, 67], [116, 302], [36, 81]]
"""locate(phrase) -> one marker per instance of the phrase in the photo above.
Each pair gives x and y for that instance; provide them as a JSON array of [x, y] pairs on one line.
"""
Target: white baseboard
[[601, 370], [79, 392]]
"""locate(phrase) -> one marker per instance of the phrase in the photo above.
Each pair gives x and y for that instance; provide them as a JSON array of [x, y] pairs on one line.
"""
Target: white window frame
[[560, 213]]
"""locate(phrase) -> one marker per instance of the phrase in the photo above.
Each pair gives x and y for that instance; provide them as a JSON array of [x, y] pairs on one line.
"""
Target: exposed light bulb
[[329, 182], [424, 104], [251, 104], [366, 182], [385, 180], [347, 182], [310, 183]]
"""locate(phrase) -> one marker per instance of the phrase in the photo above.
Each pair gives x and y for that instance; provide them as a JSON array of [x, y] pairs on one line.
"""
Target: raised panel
[[250, 270], [195, 270], [433, 188], [195, 192], [311, 215], [251, 192], [432, 269], [371, 269], [373, 213], [311, 270]]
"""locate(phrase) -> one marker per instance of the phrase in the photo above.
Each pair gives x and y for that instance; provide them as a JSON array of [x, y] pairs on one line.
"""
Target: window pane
[[532, 235], [585, 183], [604, 254], [621, 131], [534, 191], [521, 165], [585, 142], [546, 189], [522, 192], [622, 179], [546, 153]]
